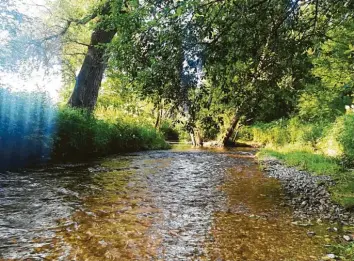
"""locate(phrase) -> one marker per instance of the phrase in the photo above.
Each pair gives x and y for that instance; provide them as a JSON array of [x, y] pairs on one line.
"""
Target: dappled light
[[177, 130]]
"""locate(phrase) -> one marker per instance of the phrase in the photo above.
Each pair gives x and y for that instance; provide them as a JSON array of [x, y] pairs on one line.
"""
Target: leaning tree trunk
[[198, 138], [88, 82], [191, 133], [157, 123], [225, 138]]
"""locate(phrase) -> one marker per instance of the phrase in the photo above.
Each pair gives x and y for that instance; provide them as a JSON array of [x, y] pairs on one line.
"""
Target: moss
[[115, 163]]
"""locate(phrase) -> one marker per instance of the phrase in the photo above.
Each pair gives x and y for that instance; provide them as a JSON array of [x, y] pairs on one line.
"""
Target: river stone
[[307, 194], [311, 233], [329, 257], [347, 238]]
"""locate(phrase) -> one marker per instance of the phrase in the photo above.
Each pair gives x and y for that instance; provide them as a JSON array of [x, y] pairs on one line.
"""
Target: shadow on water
[[182, 204]]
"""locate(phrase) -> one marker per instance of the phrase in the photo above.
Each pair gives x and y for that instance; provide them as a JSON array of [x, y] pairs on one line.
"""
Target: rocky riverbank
[[307, 194]]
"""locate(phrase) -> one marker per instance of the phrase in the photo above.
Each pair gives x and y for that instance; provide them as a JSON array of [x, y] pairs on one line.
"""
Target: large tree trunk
[[157, 123], [88, 82], [225, 138], [196, 138], [193, 138]]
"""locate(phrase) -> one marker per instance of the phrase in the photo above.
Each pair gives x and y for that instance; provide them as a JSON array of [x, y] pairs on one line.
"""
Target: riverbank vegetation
[[278, 73], [80, 135], [323, 147], [196, 70], [33, 130]]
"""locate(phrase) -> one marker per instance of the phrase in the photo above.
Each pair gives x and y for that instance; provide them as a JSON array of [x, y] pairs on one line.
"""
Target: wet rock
[[332, 229], [329, 257], [311, 233], [348, 238]]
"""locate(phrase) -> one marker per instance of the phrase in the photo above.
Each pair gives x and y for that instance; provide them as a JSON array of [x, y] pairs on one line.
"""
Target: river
[[180, 204]]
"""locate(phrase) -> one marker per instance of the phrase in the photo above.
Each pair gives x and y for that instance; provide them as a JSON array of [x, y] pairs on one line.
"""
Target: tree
[[21, 37], [252, 54], [253, 46], [88, 81]]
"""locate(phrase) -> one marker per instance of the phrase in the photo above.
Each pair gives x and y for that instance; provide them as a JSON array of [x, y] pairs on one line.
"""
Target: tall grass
[[321, 148], [80, 134], [335, 139]]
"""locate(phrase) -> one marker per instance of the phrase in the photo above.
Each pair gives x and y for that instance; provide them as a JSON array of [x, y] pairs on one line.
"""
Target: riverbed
[[180, 204]]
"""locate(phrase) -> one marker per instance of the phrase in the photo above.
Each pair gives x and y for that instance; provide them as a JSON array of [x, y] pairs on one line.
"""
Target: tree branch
[[316, 14], [77, 42], [81, 21]]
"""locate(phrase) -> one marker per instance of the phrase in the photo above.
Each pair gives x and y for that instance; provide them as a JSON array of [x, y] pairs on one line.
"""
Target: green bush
[[246, 133], [321, 103], [80, 134], [274, 133], [169, 132], [282, 132], [311, 134], [346, 138], [339, 139], [295, 132]]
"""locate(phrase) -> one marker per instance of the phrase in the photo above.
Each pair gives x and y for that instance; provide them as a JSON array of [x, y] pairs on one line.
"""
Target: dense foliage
[[204, 68]]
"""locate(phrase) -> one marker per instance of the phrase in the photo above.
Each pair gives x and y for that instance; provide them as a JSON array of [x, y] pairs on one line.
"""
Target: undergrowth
[[323, 148], [80, 134]]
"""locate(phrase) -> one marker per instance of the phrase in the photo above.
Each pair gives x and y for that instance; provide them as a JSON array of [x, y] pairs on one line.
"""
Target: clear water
[[182, 204]]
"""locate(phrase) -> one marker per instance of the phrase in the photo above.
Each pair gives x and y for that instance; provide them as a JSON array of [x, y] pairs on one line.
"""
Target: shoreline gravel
[[307, 194]]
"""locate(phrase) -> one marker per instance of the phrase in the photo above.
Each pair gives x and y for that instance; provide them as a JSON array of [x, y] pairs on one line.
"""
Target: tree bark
[[192, 138], [88, 82], [230, 130], [198, 139], [157, 123]]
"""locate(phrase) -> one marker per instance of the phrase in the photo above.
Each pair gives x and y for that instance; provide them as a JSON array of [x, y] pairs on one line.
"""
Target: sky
[[36, 79]]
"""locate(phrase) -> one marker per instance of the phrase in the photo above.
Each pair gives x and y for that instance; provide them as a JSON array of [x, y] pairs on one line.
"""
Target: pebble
[[311, 233], [329, 257], [307, 194], [347, 238], [332, 229]]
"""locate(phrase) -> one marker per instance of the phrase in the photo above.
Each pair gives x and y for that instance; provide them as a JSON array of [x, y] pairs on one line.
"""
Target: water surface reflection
[[164, 205]]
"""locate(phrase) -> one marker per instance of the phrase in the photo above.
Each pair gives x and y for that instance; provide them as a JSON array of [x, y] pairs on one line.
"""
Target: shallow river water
[[181, 204]]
